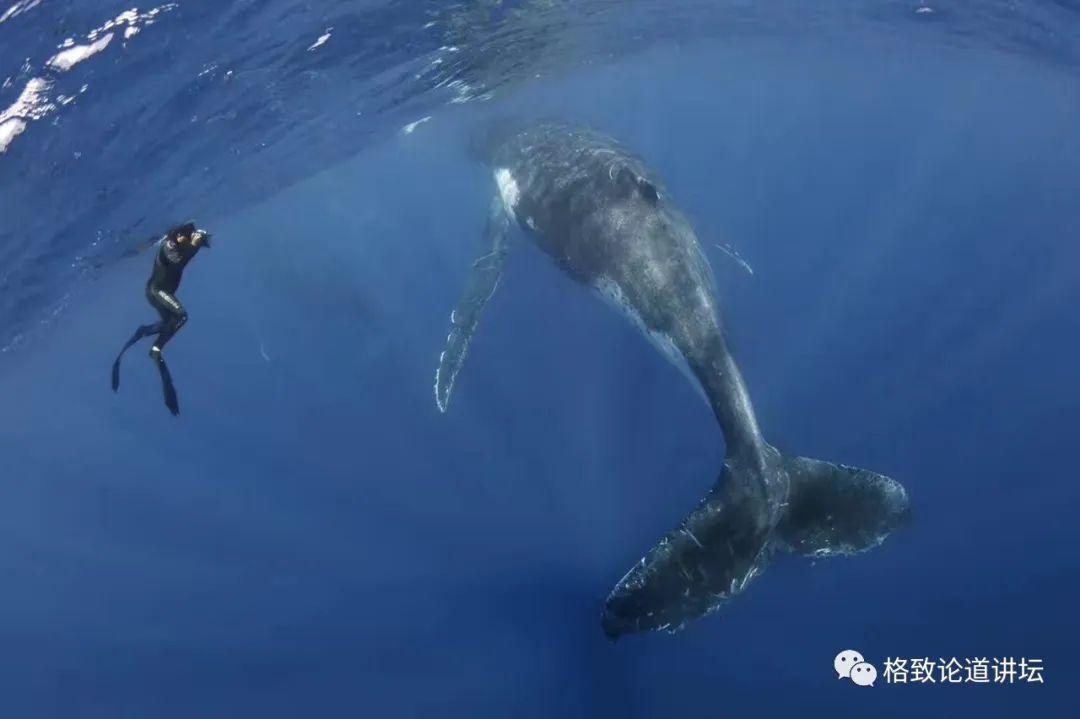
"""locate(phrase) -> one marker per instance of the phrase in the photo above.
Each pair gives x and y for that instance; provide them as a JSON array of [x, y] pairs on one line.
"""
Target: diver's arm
[[171, 252]]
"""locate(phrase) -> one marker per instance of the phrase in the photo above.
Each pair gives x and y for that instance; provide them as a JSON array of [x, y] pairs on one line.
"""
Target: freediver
[[176, 248]]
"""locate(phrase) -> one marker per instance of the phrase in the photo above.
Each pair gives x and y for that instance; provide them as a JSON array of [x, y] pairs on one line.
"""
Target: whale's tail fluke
[[755, 509], [837, 510]]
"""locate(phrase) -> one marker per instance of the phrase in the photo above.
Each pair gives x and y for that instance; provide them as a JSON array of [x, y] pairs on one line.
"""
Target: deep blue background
[[313, 537]]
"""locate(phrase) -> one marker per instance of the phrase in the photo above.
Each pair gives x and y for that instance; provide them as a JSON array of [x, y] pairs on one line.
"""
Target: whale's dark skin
[[610, 224]]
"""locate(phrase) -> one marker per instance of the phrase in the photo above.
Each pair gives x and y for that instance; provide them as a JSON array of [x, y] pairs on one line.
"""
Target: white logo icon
[[844, 661], [864, 674], [849, 664]]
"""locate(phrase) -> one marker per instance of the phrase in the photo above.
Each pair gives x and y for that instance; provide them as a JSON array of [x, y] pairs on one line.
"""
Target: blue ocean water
[[311, 535]]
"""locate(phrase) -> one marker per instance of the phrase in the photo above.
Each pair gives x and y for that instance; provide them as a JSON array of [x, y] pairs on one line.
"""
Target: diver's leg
[[173, 317]]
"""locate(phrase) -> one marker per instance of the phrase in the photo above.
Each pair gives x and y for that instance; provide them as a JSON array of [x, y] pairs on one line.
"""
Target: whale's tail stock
[[793, 504]]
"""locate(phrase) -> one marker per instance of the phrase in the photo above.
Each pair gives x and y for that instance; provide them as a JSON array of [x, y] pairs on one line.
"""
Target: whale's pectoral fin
[[836, 510], [483, 280]]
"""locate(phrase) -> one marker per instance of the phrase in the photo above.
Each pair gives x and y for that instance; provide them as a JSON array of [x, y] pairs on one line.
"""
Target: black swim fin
[[116, 372], [141, 332], [167, 387]]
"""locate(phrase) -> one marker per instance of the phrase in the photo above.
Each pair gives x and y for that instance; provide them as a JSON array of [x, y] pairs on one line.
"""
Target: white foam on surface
[[18, 9], [34, 102], [132, 20], [9, 130], [67, 59]]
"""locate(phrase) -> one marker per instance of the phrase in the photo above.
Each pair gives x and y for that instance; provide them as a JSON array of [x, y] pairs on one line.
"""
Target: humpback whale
[[609, 223]]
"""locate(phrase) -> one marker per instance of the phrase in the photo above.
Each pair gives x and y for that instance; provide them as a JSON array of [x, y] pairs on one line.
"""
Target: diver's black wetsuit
[[172, 258], [169, 263]]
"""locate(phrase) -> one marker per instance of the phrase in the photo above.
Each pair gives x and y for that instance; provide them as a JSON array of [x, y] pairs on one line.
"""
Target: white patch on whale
[[411, 127], [508, 190], [610, 291]]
